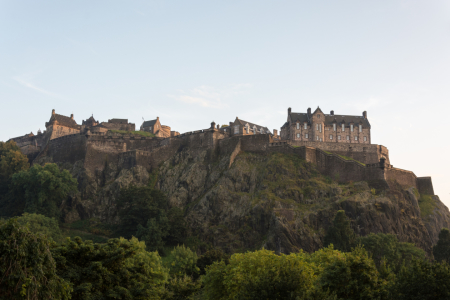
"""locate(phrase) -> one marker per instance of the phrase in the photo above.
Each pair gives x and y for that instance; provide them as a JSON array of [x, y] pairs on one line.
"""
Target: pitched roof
[[121, 121], [149, 123], [64, 121], [303, 117], [251, 125]]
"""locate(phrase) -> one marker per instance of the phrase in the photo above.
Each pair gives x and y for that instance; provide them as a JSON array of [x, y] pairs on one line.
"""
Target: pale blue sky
[[191, 62]]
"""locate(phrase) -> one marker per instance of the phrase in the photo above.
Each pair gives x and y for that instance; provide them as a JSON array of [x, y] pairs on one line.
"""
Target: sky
[[194, 62]]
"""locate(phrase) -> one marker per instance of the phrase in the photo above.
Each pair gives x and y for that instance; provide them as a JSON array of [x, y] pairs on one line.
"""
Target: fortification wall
[[69, 148], [364, 153], [100, 151], [405, 178], [425, 185], [57, 131]]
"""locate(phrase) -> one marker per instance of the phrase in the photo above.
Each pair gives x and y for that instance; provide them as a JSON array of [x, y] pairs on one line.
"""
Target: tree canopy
[[341, 234], [441, 250]]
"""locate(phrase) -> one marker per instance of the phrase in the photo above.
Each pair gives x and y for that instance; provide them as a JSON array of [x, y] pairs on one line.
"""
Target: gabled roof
[[317, 110], [251, 125], [63, 120], [149, 123]]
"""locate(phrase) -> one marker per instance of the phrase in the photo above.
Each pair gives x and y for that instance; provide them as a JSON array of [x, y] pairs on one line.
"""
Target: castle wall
[[367, 154], [425, 186], [69, 148]]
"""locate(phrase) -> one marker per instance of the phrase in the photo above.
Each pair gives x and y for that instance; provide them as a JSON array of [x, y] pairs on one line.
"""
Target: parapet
[[425, 186]]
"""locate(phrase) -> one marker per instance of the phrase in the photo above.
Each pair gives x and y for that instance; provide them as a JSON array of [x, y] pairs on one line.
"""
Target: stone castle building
[[330, 128], [155, 127], [241, 127]]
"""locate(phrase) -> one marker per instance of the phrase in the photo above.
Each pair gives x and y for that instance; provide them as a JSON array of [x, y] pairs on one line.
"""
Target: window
[[298, 125], [225, 130], [334, 127], [298, 135], [331, 136], [254, 130], [360, 128], [261, 131], [317, 137], [236, 129], [306, 126], [348, 138], [351, 127], [320, 127], [339, 137], [365, 139], [320, 139], [150, 128], [306, 136], [317, 126], [318, 116], [343, 127], [356, 138]]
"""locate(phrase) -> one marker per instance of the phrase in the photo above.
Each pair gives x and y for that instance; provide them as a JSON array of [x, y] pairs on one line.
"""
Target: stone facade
[[60, 125], [241, 127], [326, 128], [155, 127]]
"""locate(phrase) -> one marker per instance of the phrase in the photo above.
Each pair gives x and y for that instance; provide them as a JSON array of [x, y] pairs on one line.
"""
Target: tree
[[27, 266], [423, 280], [119, 269], [11, 161], [260, 275], [387, 248], [42, 189], [177, 227], [209, 258], [136, 205], [182, 261], [340, 234], [353, 275], [154, 232], [41, 224], [441, 250]]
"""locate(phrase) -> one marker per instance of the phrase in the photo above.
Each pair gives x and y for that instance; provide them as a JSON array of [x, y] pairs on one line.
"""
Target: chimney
[[332, 112], [289, 111], [213, 125], [275, 132], [71, 116], [231, 124], [53, 111], [157, 118], [309, 111], [218, 126], [365, 114]]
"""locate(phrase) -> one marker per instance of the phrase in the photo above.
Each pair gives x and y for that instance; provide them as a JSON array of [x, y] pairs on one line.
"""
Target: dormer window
[[360, 128], [298, 125], [306, 126], [236, 129]]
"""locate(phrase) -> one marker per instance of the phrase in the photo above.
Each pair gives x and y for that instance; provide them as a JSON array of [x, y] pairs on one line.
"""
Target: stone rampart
[[425, 186], [68, 148], [365, 153]]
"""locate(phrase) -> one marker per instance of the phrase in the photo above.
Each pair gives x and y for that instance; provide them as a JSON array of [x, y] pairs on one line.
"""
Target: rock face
[[275, 200]]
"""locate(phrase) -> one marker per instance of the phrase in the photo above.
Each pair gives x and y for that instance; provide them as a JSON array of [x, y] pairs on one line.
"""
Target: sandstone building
[[155, 127], [329, 128], [241, 127]]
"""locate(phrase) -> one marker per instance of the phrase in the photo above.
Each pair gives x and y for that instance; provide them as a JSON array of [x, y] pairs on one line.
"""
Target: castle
[[339, 145]]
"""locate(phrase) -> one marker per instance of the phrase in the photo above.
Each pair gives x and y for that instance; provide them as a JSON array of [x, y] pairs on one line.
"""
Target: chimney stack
[[71, 116], [213, 125], [289, 111], [275, 132], [157, 118], [309, 111], [218, 126], [365, 114], [231, 124], [332, 112], [53, 111]]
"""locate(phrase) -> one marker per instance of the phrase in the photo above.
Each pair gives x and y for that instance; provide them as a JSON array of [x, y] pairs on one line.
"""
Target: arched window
[[343, 127]]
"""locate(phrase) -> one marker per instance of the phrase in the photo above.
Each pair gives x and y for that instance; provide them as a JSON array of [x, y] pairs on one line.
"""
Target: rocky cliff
[[277, 201]]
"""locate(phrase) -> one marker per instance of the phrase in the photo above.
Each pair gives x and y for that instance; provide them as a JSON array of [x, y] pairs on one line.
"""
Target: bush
[[441, 250], [41, 224]]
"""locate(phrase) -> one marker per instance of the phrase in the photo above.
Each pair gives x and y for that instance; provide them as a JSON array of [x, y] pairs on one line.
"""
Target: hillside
[[272, 200]]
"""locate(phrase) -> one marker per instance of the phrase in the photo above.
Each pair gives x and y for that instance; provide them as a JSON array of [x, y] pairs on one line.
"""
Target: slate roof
[[149, 123], [329, 119], [251, 125], [64, 121], [121, 121]]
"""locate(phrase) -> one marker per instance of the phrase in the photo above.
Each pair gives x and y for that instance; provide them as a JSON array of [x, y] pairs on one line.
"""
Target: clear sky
[[192, 62]]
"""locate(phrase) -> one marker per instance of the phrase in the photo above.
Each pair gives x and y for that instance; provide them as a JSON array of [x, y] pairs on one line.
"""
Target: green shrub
[[182, 261]]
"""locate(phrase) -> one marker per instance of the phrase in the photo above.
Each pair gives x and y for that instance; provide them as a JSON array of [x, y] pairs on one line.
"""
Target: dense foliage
[[41, 190], [441, 250], [27, 266], [144, 213], [340, 233], [41, 224]]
